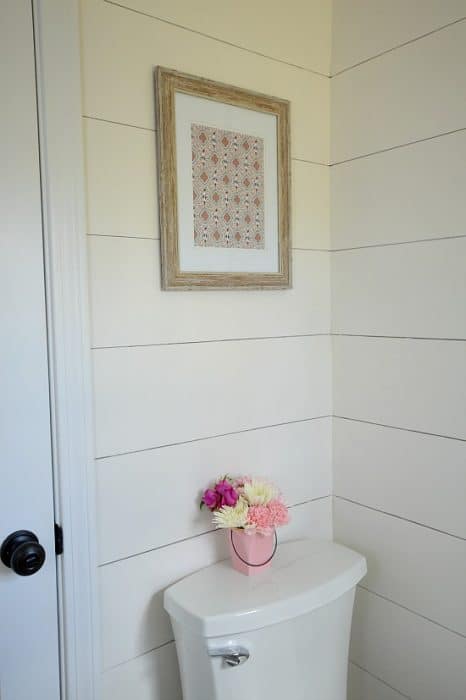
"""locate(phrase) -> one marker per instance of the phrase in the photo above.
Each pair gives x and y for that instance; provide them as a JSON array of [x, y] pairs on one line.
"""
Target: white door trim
[[56, 28]]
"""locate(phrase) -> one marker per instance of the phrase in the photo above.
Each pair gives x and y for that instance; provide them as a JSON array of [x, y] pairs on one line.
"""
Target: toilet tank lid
[[305, 575]]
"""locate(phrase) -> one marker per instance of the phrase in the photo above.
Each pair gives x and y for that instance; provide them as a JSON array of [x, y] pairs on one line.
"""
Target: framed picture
[[224, 170]]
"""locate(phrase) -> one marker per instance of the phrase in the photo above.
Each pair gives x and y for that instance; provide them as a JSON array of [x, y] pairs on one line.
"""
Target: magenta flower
[[229, 497], [223, 494], [210, 499]]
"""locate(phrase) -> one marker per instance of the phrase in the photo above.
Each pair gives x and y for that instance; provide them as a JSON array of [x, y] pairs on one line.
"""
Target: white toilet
[[281, 635]]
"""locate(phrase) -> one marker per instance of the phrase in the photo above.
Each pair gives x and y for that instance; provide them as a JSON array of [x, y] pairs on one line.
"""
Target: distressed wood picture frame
[[224, 185]]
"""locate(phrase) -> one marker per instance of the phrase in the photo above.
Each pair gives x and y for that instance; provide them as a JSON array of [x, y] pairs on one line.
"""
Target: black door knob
[[22, 552]]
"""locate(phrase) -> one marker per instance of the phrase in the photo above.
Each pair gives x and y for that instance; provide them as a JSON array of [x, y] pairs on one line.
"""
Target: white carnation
[[232, 516], [259, 493]]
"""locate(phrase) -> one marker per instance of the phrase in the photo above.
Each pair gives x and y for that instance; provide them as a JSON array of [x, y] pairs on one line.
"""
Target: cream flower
[[232, 516], [259, 493]]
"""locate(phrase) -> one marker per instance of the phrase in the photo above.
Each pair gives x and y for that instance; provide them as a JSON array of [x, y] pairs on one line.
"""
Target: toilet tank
[[281, 635]]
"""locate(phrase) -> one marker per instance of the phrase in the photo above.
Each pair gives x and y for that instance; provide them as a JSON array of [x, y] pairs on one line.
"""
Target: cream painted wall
[[189, 384], [398, 229], [169, 408], [298, 34]]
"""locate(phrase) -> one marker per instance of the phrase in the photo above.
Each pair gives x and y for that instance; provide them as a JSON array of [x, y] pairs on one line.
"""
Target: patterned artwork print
[[228, 188]]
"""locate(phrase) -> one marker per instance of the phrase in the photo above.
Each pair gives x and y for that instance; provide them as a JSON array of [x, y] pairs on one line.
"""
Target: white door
[[29, 660]]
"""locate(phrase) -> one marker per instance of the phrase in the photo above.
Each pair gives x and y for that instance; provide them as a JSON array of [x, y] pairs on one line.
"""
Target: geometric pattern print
[[228, 188]]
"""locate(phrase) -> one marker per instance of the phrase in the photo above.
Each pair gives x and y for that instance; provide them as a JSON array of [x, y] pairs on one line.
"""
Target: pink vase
[[251, 553]]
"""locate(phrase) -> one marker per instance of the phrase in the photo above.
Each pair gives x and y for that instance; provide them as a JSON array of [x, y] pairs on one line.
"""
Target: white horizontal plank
[[366, 28], [420, 659], [297, 32], [151, 396], [415, 92], [417, 567], [120, 49], [131, 591], [407, 194], [121, 174], [152, 676], [413, 384], [415, 476], [132, 615], [128, 306], [406, 290], [151, 498], [313, 520], [363, 686], [310, 205]]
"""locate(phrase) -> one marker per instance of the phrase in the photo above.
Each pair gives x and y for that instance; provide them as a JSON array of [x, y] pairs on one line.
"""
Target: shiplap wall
[[191, 384], [398, 229]]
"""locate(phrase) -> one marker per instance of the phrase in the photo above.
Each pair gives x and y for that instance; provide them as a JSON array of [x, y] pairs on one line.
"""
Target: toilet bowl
[[281, 635]]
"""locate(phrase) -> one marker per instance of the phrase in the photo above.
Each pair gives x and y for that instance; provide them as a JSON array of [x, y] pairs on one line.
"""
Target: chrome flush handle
[[232, 656]]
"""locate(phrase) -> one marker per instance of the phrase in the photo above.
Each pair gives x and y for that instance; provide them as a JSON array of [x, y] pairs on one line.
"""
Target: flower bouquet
[[251, 509]]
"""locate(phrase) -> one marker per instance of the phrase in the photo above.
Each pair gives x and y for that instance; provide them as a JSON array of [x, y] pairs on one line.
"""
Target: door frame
[[58, 78]]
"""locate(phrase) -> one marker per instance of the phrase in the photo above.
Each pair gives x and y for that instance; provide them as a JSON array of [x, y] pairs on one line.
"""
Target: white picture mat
[[188, 110]]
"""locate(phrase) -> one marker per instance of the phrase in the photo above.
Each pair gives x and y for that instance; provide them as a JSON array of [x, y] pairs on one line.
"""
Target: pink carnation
[[278, 512], [259, 517], [265, 518]]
